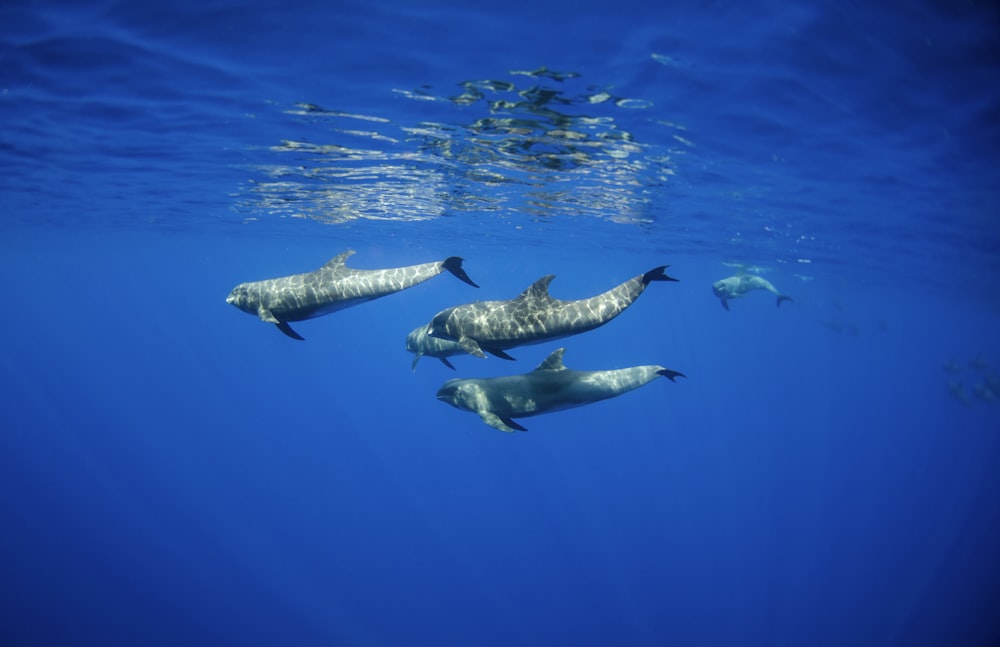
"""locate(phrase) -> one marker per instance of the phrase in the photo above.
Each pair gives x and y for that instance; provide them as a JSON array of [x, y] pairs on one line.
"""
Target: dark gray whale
[[420, 343], [534, 317], [331, 288], [550, 387]]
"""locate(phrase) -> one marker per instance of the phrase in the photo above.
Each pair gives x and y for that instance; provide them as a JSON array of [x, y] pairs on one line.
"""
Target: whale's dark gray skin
[[534, 317], [420, 343], [330, 288], [550, 387], [737, 286]]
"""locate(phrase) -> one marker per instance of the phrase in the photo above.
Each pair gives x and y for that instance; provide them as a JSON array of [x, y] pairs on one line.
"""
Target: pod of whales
[[550, 387], [737, 286], [534, 317], [984, 380], [331, 288]]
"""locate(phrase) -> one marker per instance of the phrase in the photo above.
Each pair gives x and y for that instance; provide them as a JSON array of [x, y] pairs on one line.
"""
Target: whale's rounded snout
[[448, 391], [238, 297]]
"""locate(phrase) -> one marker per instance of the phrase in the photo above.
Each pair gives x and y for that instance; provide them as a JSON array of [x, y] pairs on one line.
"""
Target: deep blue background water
[[175, 471]]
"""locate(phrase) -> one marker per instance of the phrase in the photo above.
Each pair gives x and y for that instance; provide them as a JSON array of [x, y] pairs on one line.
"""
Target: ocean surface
[[174, 471]]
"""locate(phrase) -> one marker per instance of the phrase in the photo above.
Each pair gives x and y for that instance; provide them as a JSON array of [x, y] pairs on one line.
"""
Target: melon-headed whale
[[420, 343], [550, 387], [330, 288], [737, 286], [534, 317]]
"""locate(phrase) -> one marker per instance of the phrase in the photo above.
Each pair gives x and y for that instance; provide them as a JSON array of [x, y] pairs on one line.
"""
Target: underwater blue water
[[174, 471]]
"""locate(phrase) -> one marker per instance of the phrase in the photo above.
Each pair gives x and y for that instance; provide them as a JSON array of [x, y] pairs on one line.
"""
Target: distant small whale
[[979, 363], [331, 288], [420, 343], [985, 392], [550, 387], [534, 317], [957, 390], [838, 326], [737, 286]]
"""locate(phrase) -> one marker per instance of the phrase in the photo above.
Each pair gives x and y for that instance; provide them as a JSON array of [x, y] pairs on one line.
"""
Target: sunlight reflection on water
[[500, 147]]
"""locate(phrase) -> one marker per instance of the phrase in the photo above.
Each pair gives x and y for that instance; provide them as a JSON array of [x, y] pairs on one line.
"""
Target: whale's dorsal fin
[[338, 260], [499, 353], [539, 289], [741, 268], [553, 362]]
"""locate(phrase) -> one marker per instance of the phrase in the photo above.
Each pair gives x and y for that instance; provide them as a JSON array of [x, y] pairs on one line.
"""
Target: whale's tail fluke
[[454, 265], [782, 297], [656, 274], [671, 375]]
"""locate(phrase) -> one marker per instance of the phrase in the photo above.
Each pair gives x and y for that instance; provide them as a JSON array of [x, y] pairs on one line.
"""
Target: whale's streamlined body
[[534, 317], [331, 288], [737, 286], [550, 387], [420, 343]]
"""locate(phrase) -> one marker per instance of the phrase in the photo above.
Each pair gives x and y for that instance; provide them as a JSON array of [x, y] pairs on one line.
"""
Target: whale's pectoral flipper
[[268, 316], [444, 361], [510, 423], [502, 423], [782, 297], [454, 265], [499, 353], [725, 304], [671, 375], [657, 274], [470, 346], [285, 328]]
